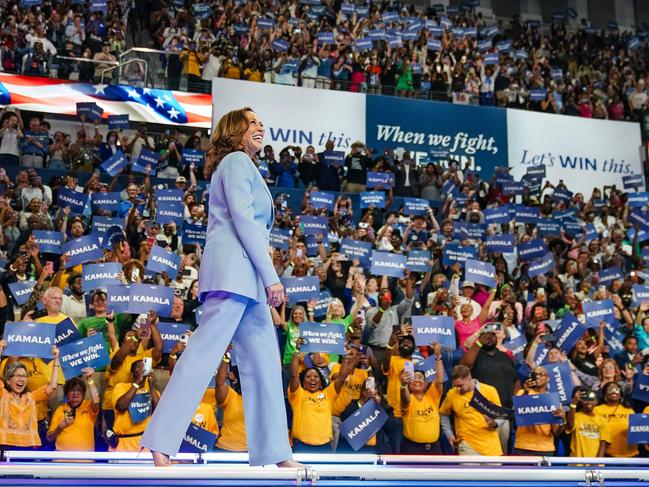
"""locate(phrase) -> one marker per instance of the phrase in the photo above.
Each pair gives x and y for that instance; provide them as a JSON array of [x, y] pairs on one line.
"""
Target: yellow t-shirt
[[312, 414], [617, 418], [123, 424], [537, 437], [351, 389], [470, 424], [587, 433], [204, 418], [421, 417], [39, 376], [80, 435], [18, 422], [123, 374], [233, 429], [394, 383]]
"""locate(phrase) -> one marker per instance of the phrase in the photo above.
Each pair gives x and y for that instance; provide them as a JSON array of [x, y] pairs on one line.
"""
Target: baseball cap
[[181, 179], [468, 284]]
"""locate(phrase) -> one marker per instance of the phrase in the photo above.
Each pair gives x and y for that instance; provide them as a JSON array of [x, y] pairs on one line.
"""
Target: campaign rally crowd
[[383, 47], [461, 313]]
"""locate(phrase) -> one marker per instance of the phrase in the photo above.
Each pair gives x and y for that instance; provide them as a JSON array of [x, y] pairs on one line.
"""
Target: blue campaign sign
[[91, 110], [536, 171], [606, 276], [371, 199], [534, 249], [48, 242], [560, 380], [429, 369], [115, 163], [386, 264], [614, 337], [425, 126], [102, 224], [438, 329], [531, 409], [87, 352], [105, 202], [145, 297], [280, 45], [569, 331], [312, 245], [27, 339], [356, 249], [641, 293], [312, 225], [382, 180], [146, 158], [638, 200], [639, 218], [480, 272], [501, 214], [193, 156], [418, 261], [100, 276], [322, 199], [325, 38], [323, 337], [638, 432], [140, 407], [597, 311], [197, 440], [504, 243], [162, 260], [363, 424], [415, 206], [169, 196], [330, 157], [641, 388], [541, 265], [83, 249], [279, 238], [473, 231], [322, 304], [301, 289], [66, 332], [195, 233], [513, 188], [21, 291], [633, 181], [73, 199], [517, 347], [171, 212], [455, 252], [171, 333], [118, 122], [118, 298], [489, 409], [526, 214], [549, 228]]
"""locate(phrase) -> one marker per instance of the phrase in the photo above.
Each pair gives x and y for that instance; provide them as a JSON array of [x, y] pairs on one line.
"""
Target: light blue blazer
[[241, 214]]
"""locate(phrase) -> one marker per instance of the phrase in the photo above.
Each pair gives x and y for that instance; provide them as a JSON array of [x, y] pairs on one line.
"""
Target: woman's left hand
[[275, 294]]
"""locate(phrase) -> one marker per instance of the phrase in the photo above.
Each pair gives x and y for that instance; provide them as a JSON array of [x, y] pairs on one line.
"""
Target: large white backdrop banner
[[585, 153], [293, 115]]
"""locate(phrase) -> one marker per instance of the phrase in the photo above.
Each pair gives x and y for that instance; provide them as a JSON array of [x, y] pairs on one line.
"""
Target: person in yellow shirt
[[73, 423], [401, 349], [127, 428], [420, 409], [132, 348], [351, 390], [590, 433], [616, 413], [473, 433], [312, 404], [228, 397], [366, 394], [538, 439], [18, 421]]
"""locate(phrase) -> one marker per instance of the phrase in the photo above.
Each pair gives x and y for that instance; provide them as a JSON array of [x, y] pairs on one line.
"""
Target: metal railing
[[125, 79]]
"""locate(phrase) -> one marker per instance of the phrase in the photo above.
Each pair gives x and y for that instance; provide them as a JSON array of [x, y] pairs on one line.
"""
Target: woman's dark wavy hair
[[323, 380], [226, 138]]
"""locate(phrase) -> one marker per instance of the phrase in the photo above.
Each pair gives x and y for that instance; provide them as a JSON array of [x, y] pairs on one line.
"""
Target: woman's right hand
[[275, 294]]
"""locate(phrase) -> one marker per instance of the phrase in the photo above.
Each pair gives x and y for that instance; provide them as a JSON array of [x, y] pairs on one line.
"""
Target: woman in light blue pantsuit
[[237, 282]]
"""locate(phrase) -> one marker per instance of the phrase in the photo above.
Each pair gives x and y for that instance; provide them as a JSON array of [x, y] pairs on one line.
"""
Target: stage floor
[[62, 469]]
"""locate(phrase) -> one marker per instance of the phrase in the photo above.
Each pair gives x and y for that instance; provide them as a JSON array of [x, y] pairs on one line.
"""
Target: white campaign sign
[[585, 153], [294, 115]]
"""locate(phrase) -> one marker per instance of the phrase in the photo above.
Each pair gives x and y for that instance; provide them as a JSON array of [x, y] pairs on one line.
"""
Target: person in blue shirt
[[34, 145]]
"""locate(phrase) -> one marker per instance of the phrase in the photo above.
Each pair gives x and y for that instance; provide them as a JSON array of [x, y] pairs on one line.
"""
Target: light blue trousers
[[248, 326]]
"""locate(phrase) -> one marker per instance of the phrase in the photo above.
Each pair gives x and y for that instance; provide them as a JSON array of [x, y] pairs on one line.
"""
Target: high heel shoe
[[291, 464]]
